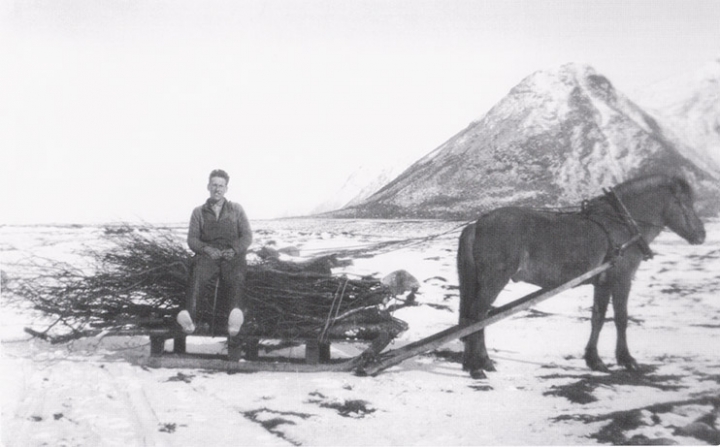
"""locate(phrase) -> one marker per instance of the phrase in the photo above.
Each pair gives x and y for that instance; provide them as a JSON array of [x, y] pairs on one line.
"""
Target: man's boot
[[235, 321]]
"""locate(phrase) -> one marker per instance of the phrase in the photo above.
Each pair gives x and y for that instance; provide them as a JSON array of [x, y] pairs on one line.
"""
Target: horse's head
[[679, 214]]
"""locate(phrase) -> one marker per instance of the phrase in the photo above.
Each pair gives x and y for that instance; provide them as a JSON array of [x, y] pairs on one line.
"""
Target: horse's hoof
[[478, 364], [627, 361], [478, 374], [597, 365], [630, 365]]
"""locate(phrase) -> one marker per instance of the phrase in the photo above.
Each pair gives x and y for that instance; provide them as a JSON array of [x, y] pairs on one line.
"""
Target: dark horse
[[549, 248]]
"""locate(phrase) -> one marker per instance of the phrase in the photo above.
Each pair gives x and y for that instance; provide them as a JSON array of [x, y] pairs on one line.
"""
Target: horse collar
[[616, 249], [629, 222], [613, 248]]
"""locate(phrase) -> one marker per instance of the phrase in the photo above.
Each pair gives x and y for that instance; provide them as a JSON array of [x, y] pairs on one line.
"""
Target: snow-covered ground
[[97, 391]]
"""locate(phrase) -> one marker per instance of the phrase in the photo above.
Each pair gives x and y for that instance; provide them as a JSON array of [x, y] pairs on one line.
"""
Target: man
[[220, 235]]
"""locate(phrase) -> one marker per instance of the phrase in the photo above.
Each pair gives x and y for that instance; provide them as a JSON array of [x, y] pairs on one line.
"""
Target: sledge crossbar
[[215, 364], [392, 358]]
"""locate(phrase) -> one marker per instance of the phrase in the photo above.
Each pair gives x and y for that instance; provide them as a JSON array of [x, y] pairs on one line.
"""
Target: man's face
[[217, 188]]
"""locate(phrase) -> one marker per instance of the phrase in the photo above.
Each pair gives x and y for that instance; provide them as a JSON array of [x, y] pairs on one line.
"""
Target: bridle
[[684, 210]]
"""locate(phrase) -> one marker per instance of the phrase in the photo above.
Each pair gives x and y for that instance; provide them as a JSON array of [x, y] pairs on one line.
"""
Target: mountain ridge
[[557, 138], [689, 104]]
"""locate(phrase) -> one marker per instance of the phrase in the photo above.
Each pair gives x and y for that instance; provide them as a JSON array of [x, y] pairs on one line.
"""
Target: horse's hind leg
[[601, 299], [475, 356], [469, 296], [483, 272]]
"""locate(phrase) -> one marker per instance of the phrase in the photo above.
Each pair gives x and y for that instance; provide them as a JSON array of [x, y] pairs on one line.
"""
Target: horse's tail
[[467, 274]]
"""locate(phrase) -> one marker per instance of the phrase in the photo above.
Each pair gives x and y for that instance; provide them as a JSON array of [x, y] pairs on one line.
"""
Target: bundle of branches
[[288, 304], [141, 282]]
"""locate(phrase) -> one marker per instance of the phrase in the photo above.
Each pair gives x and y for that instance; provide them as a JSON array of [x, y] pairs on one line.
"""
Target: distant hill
[[557, 138], [690, 105], [364, 182]]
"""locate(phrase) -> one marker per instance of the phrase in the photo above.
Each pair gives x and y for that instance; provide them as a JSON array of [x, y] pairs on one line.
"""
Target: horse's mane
[[641, 184], [675, 183]]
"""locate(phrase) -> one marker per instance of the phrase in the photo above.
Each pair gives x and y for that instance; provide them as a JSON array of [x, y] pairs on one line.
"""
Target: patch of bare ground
[[713, 254], [270, 420], [353, 408], [581, 391], [181, 377], [709, 377], [616, 431]]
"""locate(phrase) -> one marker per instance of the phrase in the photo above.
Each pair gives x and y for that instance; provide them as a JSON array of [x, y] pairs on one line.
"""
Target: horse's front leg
[[601, 299], [620, 294]]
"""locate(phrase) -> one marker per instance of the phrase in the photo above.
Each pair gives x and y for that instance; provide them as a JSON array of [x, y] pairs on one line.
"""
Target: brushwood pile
[[139, 281]]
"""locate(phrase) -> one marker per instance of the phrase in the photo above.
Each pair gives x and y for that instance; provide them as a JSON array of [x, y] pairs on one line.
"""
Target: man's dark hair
[[219, 173]]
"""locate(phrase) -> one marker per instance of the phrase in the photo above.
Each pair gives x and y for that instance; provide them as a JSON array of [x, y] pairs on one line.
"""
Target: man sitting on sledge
[[220, 235]]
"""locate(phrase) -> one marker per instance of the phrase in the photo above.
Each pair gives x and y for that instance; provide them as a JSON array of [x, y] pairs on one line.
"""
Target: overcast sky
[[117, 110]]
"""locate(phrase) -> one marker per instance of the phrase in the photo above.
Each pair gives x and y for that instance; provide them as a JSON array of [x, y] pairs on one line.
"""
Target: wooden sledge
[[317, 349], [371, 362]]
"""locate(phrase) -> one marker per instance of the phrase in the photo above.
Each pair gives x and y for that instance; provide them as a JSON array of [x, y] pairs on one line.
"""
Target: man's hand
[[228, 254], [213, 252]]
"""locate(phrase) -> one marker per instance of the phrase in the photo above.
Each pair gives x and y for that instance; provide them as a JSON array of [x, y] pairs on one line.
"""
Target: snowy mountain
[[364, 182], [690, 106], [557, 138]]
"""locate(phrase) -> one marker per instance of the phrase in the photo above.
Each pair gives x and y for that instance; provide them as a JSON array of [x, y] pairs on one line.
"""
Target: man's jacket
[[230, 230]]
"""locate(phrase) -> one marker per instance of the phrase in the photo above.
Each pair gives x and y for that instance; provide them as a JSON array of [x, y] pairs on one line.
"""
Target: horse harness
[[626, 219]]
